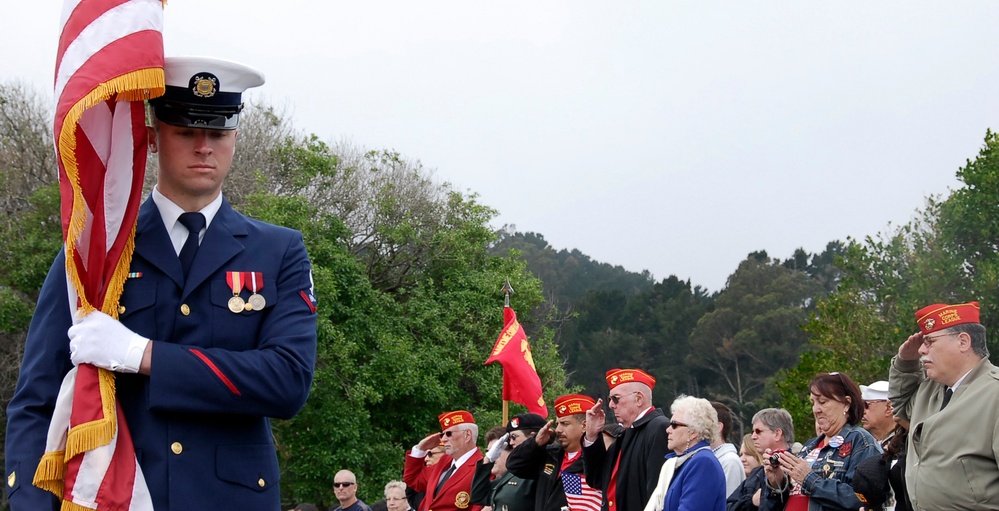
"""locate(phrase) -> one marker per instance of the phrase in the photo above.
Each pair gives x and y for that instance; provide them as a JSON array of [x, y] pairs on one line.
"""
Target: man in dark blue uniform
[[216, 329]]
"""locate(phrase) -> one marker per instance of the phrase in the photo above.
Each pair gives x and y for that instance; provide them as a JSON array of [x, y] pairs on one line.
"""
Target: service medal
[[257, 301], [236, 304], [236, 284], [255, 281]]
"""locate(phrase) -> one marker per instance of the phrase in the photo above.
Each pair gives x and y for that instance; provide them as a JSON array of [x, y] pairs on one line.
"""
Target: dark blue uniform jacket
[[199, 421]]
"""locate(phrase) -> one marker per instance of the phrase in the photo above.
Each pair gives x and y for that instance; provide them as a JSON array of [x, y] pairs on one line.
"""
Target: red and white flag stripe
[[110, 59]]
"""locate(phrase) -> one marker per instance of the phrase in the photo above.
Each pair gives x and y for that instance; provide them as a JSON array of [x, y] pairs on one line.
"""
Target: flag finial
[[507, 291]]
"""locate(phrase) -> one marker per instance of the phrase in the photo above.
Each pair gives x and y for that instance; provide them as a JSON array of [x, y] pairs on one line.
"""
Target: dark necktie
[[948, 393], [444, 478], [194, 223]]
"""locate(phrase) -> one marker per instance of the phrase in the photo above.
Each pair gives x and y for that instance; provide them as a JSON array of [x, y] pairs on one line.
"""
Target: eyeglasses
[[616, 398], [867, 404], [759, 431], [449, 433], [342, 485], [675, 424], [928, 341]]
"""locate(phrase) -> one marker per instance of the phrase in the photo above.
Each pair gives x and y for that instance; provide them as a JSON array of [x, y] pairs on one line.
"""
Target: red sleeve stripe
[[218, 372]]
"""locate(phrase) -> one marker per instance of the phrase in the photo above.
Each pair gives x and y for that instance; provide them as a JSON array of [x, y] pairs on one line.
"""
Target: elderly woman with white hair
[[691, 479], [395, 497]]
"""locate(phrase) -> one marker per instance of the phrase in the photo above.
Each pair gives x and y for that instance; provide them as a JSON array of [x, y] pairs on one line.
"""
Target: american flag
[[581, 496], [110, 59]]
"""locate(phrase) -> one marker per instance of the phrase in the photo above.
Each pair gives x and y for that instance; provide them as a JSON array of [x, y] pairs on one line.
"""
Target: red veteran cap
[[449, 419], [616, 377], [939, 316], [573, 404]]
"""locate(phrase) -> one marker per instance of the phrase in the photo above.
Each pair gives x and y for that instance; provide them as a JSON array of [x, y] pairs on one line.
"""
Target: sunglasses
[[675, 424], [342, 485], [616, 398], [449, 433]]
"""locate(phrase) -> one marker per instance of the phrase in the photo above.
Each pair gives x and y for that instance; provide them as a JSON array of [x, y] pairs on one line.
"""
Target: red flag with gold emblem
[[521, 383]]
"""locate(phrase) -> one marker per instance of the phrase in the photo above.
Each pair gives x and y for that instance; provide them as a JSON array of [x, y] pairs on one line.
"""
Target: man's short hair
[[725, 418], [470, 426], [977, 333], [777, 418]]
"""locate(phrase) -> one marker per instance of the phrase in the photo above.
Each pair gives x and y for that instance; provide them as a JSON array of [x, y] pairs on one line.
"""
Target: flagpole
[[507, 291]]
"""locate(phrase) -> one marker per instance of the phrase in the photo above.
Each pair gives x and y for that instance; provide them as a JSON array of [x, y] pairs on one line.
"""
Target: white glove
[[494, 452], [103, 341]]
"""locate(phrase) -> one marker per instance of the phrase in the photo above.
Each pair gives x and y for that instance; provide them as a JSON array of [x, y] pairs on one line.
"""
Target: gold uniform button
[[176, 447], [121, 309], [261, 482], [184, 309]]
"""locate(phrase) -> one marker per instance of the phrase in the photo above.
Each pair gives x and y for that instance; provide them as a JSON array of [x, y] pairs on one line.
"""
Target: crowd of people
[[941, 387]]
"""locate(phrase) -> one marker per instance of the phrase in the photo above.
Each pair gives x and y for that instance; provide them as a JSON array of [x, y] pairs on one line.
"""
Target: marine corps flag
[[110, 59], [521, 383]]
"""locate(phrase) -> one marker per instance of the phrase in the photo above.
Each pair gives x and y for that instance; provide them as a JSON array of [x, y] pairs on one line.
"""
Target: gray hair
[[977, 333], [701, 416], [474, 428], [395, 484], [777, 418]]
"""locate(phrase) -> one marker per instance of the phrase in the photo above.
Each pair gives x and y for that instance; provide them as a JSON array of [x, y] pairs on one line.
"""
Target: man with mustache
[[943, 383], [558, 466]]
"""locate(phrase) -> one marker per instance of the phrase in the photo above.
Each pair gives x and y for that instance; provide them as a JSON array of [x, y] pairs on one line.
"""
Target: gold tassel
[[50, 472]]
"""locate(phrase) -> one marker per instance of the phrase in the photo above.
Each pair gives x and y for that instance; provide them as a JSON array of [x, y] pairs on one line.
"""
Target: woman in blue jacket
[[691, 478]]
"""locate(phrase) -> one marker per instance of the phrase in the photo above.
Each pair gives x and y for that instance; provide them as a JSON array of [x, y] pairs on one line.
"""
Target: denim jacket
[[828, 485]]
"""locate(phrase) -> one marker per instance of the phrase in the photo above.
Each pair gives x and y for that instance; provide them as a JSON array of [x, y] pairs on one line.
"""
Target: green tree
[[753, 331]]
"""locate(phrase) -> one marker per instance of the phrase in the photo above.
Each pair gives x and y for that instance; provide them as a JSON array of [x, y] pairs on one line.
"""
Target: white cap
[[203, 92], [877, 391]]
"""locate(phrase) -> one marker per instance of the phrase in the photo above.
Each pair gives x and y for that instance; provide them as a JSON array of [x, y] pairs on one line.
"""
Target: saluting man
[[447, 483], [216, 330], [558, 466], [627, 471]]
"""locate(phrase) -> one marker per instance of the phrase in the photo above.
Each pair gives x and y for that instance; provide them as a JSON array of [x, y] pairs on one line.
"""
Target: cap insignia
[[930, 323], [204, 85]]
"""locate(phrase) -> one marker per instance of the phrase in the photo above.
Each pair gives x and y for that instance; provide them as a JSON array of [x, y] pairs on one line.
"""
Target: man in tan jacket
[[943, 383]]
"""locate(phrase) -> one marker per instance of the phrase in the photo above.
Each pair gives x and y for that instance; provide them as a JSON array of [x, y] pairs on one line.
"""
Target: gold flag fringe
[[94, 434], [50, 472]]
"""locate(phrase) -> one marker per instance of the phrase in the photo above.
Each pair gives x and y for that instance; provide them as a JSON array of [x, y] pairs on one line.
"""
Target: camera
[[775, 458]]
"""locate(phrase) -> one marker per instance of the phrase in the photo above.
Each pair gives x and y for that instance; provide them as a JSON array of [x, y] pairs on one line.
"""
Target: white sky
[[675, 137]]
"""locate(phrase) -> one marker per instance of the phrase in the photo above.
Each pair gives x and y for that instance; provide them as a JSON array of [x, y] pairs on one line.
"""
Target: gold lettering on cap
[[574, 408], [949, 316]]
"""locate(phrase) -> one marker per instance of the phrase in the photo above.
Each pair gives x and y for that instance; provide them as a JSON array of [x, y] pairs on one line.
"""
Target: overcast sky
[[674, 137]]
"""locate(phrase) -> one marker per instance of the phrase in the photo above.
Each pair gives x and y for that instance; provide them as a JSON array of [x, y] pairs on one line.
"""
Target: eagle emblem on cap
[[447, 421], [204, 85], [613, 379], [562, 409], [515, 422], [929, 324]]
